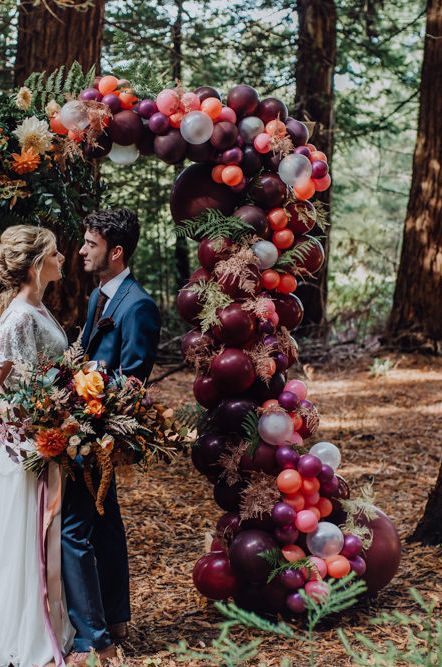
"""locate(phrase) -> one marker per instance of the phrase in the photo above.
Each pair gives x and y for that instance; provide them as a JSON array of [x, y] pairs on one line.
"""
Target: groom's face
[[95, 252]]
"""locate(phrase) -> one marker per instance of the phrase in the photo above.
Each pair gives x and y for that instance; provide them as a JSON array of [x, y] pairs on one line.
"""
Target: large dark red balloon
[[194, 338], [189, 304], [194, 191], [232, 412], [299, 220], [206, 452], [228, 526], [231, 284], [201, 152], [126, 128], [236, 327], [228, 496], [211, 251], [245, 560], [199, 275], [205, 391], [224, 135], [243, 99], [297, 131], [233, 371], [384, 554], [170, 147], [264, 392], [290, 310], [268, 190], [251, 162], [271, 108], [314, 257], [104, 142], [213, 577], [204, 92], [145, 144], [256, 218]]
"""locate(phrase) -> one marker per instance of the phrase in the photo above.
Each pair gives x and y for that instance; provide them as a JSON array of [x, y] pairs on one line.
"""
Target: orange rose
[[95, 407], [88, 385], [50, 442]]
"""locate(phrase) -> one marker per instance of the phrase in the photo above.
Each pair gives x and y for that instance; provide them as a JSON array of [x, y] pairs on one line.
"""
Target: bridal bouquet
[[70, 408]]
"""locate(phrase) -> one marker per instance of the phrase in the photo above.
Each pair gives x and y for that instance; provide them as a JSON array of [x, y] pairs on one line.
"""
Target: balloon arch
[[289, 525]]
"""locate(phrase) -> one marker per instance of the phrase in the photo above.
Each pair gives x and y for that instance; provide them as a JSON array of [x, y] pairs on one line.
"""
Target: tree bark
[[315, 66], [429, 528], [47, 40], [415, 318]]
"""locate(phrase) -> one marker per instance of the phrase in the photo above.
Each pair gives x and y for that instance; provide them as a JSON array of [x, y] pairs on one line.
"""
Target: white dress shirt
[[111, 287]]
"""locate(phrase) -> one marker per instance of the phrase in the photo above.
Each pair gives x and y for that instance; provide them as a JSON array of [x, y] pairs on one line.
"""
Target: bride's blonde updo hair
[[21, 247]]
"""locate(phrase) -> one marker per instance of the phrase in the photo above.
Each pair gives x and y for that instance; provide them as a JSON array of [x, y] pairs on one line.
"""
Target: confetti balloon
[[196, 127]]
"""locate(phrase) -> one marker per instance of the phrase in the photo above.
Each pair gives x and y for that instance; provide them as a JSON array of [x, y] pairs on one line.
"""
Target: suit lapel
[[113, 304]]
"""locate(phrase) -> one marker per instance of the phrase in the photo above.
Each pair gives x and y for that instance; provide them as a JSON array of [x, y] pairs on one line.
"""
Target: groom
[[122, 330]]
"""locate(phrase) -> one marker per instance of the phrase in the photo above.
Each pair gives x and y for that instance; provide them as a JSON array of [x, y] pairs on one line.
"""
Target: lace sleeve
[[17, 339]]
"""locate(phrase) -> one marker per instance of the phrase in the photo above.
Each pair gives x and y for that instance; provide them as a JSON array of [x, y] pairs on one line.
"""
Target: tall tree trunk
[[429, 528], [47, 39], [417, 305], [315, 66], [182, 267]]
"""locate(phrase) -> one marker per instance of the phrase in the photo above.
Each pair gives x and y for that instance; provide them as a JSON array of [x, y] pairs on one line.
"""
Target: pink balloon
[[317, 590], [306, 521], [269, 306], [227, 114], [296, 439], [262, 142], [321, 565], [274, 319], [190, 102], [168, 102], [297, 387]]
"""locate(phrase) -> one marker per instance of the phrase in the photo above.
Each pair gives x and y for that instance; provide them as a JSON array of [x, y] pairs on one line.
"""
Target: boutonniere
[[106, 324]]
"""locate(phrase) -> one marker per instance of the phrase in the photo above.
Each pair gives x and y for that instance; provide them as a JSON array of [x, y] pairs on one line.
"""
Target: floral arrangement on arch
[[71, 408]]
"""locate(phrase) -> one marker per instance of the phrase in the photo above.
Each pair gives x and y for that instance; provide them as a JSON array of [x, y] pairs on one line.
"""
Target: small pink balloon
[[262, 142], [297, 387], [321, 566], [296, 439], [190, 102], [269, 306], [227, 114], [306, 521], [274, 319], [317, 590], [168, 102]]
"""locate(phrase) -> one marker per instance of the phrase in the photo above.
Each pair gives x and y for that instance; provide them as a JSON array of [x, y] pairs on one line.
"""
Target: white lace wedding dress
[[25, 332]]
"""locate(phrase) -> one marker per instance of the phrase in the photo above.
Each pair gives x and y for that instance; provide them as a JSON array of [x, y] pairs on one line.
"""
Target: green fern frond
[[290, 259], [59, 84], [250, 429], [212, 224], [237, 616]]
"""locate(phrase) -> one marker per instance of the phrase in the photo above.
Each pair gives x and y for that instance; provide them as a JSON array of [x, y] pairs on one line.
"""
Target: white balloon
[[124, 154], [295, 169], [328, 453], [196, 127], [266, 252], [250, 127], [74, 116], [326, 540]]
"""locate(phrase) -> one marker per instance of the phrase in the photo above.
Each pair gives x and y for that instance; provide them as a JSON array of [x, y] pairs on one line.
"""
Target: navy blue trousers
[[94, 564]]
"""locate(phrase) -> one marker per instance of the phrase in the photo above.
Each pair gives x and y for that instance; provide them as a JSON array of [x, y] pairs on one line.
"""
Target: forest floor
[[388, 428]]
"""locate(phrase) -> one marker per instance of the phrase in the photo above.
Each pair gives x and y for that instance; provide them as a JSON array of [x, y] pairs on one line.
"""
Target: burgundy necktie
[[102, 298]]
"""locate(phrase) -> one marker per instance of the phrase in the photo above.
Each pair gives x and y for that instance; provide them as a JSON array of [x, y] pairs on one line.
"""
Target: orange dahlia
[[51, 442], [95, 407], [26, 161]]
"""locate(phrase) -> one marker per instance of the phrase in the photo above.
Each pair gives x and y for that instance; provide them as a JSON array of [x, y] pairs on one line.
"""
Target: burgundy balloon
[[295, 603], [352, 546], [205, 391], [104, 146], [213, 577], [147, 108], [289, 309], [112, 102], [282, 362], [208, 449], [231, 284], [159, 123], [326, 474], [256, 218], [263, 391], [188, 304], [315, 256], [274, 597], [299, 221], [233, 371], [251, 162], [302, 150], [232, 412], [358, 565], [126, 128], [228, 497], [286, 457], [319, 169], [97, 81], [271, 108], [204, 92], [297, 131], [211, 251], [91, 94], [232, 156], [194, 191], [288, 401], [243, 99], [236, 327], [283, 514], [310, 421], [264, 458], [292, 579], [268, 190], [330, 488], [194, 338], [146, 144], [309, 465], [384, 554], [224, 135], [245, 560], [272, 161], [201, 152], [228, 526], [170, 147], [199, 275]]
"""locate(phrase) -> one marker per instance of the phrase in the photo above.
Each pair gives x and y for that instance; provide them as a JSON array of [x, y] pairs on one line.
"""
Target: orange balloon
[[277, 218], [283, 239], [292, 553], [232, 175], [176, 118], [128, 100], [318, 155], [270, 403], [287, 284], [56, 125], [295, 500], [107, 84], [289, 481], [305, 190], [310, 485], [322, 184], [212, 106], [325, 507], [338, 566], [76, 135], [216, 173], [270, 279], [276, 128]]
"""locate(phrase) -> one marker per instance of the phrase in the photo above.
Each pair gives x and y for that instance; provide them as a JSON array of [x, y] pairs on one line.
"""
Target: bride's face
[[52, 266]]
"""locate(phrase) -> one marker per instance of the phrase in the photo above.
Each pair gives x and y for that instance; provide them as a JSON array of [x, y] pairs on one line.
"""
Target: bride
[[30, 635]]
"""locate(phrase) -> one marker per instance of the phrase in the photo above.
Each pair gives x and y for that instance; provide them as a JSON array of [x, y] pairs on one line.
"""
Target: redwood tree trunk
[[417, 306], [45, 42], [315, 66]]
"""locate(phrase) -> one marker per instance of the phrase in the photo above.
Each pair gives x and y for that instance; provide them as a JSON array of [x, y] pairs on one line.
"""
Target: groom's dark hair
[[118, 226]]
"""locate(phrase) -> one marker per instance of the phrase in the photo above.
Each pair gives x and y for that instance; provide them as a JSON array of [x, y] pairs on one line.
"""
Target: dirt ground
[[389, 430]]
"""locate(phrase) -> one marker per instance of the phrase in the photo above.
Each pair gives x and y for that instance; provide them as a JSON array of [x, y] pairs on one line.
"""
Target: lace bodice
[[27, 331]]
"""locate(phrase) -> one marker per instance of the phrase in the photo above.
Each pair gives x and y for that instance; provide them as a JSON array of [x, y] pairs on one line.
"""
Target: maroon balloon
[[213, 577], [232, 412], [228, 526], [236, 326], [104, 146], [232, 156], [91, 94], [302, 150], [310, 420], [290, 310], [194, 338], [205, 391], [159, 123], [264, 459], [314, 259], [112, 102], [319, 169], [271, 108], [224, 135], [256, 218], [231, 284], [188, 304], [264, 391], [126, 128], [272, 161], [233, 371], [147, 108], [199, 275], [228, 497], [243, 99], [97, 81], [245, 560], [206, 452], [384, 554], [146, 144], [251, 162], [300, 222], [268, 190], [170, 147], [201, 152], [195, 191], [204, 92], [297, 131], [211, 251]]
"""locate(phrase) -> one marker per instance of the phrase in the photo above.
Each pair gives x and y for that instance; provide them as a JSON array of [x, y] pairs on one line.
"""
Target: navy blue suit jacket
[[127, 335]]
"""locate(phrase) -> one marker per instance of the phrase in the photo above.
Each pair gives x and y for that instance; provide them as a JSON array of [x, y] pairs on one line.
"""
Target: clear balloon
[[124, 154], [250, 127], [328, 453], [73, 115], [275, 428], [295, 169], [267, 254], [327, 540], [196, 127]]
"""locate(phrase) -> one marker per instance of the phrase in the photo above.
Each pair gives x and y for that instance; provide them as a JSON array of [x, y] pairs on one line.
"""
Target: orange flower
[[51, 442], [26, 161], [95, 407], [88, 385]]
